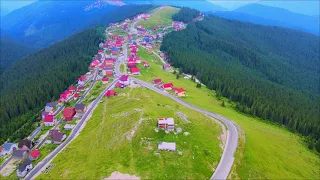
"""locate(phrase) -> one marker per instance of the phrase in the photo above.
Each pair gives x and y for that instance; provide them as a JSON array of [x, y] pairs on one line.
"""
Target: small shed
[[169, 146]]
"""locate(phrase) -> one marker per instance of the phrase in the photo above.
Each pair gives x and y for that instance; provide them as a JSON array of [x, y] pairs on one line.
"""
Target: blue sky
[[10, 5]]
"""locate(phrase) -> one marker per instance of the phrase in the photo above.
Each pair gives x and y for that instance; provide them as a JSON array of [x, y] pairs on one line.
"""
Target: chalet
[[25, 144], [49, 120], [148, 45], [114, 51], [76, 96], [48, 109], [68, 113], [150, 51], [179, 91], [80, 88], [19, 154], [134, 47], [166, 67], [105, 47], [119, 85], [110, 93], [107, 71], [56, 136], [166, 124], [68, 126], [133, 53], [161, 54], [100, 51], [7, 148], [146, 64], [109, 61], [167, 86], [51, 104], [24, 168], [169, 146], [80, 108], [124, 79], [154, 29], [34, 155], [137, 60], [105, 80], [135, 71], [94, 64], [101, 45], [43, 114], [72, 89], [157, 81], [131, 64], [147, 39]]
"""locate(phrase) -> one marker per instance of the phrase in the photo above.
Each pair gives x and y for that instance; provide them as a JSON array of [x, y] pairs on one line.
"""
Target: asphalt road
[[41, 164]]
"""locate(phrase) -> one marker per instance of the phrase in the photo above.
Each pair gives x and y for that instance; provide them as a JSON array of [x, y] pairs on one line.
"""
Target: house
[[19, 154], [146, 64], [48, 109], [76, 96], [157, 81], [109, 61], [49, 120], [110, 93], [81, 80], [105, 80], [167, 86], [124, 79], [107, 71], [25, 144], [166, 124], [137, 60], [68, 126], [131, 64], [170, 146], [80, 88], [80, 108], [34, 155], [149, 50], [56, 136], [135, 71], [94, 64], [114, 50], [119, 85], [24, 168], [72, 89], [179, 91], [166, 67], [43, 114], [100, 51], [51, 104], [7, 148], [68, 113]]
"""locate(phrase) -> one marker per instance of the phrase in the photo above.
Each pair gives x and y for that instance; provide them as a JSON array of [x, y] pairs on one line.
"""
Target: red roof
[[168, 85], [124, 78], [48, 118], [156, 81], [105, 79], [67, 92], [63, 96], [119, 85], [72, 88], [110, 93], [76, 95], [179, 90], [145, 63], [1, 149], [100, 51], [134, 70], [35, 154], [68, 113]]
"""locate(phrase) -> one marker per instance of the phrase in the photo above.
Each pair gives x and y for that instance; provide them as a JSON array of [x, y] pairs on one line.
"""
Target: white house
[[68, 126], [24, 168], [7, 148], [170, 146], [166, 124]]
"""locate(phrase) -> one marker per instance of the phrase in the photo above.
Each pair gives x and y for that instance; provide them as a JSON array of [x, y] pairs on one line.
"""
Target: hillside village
[[61, 118]]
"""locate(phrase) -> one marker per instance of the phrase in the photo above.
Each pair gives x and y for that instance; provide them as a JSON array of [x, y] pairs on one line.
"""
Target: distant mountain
[[11, 50], [200, 5], [45, 22], [276, 16]]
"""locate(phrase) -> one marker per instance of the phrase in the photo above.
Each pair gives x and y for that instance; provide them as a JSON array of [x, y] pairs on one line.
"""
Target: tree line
[[269, 72]]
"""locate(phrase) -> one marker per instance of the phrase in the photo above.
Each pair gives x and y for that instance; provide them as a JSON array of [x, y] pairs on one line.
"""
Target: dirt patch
[[223, 136], [182, 116], [9, 168], [117, 175]]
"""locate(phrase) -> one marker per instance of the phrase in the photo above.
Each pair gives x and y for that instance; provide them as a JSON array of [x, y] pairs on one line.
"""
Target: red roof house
[[131, 63], [63, 97], [124, 79], [119, 85], [49, 120], [168, 86], [94, 64], [146, 64], [110, 93], [68, 113], [34, 155], [105, 80], [135, 71], [179, 92], [75, 96], [80, 88], [157, 81], [72, 88], [100, 51]]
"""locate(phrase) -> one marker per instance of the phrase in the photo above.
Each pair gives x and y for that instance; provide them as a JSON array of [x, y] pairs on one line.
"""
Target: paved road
[[40, 165]]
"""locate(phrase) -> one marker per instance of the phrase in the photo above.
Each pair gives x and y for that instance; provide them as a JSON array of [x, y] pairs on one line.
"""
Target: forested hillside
[[41, 77], [270, 72], [186, 15], [11, 50]]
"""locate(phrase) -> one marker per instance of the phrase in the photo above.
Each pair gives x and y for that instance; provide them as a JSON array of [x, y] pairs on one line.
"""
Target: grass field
[[162, 17], [270, 151], [121, 136]]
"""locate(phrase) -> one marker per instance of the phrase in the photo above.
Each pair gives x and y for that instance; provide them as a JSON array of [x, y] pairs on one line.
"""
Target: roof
[[76, 95], [34, 153], [44, 113], [105, 79], [18, 153], [114, 49], [23, 165], [48, 118], [80, 106], [51, 104], [69, 126], [48, 108], [7, 146], [69, 111], [167, 85], [72, 88], [124, 78], [179, 90], [25, 142], [167, 146], [134, 70], [56, 135], [158, 80], [169, 121]]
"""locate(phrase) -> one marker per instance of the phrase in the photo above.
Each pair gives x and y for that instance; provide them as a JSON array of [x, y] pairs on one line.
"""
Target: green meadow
[[162, 17], [266, 151], [121, 136]]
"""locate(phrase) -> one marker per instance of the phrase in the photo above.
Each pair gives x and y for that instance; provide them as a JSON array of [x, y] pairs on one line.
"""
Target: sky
[[10, 5]]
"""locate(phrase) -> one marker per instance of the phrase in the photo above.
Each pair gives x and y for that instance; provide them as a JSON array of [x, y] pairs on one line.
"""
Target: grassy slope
[[161, 18], [103, 147], [270, 151]]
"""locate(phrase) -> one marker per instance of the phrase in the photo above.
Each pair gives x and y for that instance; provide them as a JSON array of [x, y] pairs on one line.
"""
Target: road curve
[[45, 161], [227, 158]]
